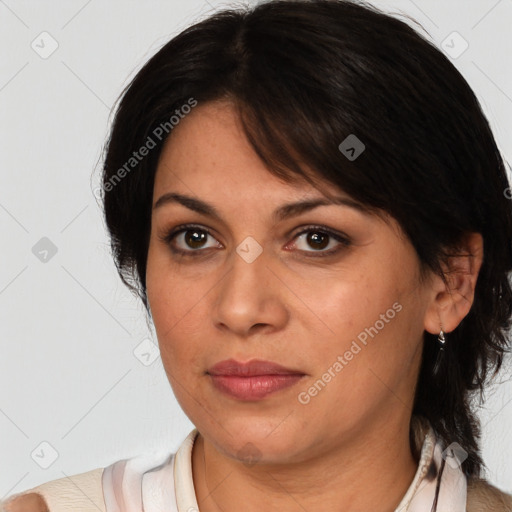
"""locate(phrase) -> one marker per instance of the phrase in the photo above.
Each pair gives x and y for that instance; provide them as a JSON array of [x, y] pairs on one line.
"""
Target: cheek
[[370, 354], [372, 319], [348, 305], [177, 308], [165, 289]]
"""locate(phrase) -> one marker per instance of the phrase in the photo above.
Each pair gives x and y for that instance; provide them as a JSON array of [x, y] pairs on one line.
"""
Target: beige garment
[[78, 493], [148, 479]]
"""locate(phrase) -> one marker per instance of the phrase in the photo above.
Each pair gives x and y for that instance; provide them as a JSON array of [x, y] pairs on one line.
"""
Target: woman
[[310, 203]]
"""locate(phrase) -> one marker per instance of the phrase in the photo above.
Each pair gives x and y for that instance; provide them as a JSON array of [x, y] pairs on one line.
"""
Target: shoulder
[[77, 493], [483, 497], [26, 502]]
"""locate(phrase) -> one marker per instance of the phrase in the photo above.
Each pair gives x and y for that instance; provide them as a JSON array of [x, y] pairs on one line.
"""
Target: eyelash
[[173, 233]]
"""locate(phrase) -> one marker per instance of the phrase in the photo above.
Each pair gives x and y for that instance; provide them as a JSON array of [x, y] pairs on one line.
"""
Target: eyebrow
[[282, 213]]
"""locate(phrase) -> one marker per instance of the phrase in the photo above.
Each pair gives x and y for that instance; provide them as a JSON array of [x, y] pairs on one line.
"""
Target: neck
[[351, 478]]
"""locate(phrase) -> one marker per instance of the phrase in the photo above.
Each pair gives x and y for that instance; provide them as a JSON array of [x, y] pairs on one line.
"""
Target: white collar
[[142, 483]]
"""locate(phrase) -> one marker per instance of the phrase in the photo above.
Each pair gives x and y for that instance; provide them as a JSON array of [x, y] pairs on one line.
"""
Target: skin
[[348, 448], [32, 502]]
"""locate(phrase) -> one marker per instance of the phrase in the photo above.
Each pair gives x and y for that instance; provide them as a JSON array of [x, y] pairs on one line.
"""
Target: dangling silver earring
[[441, 341]]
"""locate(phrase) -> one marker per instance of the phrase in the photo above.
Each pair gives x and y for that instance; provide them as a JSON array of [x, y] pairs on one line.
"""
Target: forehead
[[208, 150], [207, 164], [207, 159]]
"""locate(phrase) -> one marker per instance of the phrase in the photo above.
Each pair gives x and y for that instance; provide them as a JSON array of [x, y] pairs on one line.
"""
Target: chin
[[253, 444]]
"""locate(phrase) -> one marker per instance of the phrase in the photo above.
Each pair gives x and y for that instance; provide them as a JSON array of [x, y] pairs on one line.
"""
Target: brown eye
[[317, 238], [195, 238], [189, 239]]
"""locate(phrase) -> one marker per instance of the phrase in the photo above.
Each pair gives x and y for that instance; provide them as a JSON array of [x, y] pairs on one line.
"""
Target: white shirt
[[164, 483]]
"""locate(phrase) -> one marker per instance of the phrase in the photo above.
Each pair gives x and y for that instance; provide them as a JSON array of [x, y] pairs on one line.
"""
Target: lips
[[253, 368], [252, 381]]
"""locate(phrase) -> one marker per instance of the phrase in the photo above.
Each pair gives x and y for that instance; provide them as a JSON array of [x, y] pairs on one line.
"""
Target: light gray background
[[69, 328]]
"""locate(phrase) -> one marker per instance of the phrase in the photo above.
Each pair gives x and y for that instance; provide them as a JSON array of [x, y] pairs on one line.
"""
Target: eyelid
[[343, 240], [169, 235]]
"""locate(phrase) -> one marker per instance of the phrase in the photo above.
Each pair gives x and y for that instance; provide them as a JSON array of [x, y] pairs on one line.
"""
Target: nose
[[250, 298]]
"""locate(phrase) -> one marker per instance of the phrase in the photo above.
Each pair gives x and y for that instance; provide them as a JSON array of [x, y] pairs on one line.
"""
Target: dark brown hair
[[303, 76]]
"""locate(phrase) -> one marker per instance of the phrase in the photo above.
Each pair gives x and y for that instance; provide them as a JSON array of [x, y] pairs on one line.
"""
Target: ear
[[451, 302]]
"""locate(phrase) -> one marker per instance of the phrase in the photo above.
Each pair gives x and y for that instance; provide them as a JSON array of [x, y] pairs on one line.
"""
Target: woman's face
[[348, 314]]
